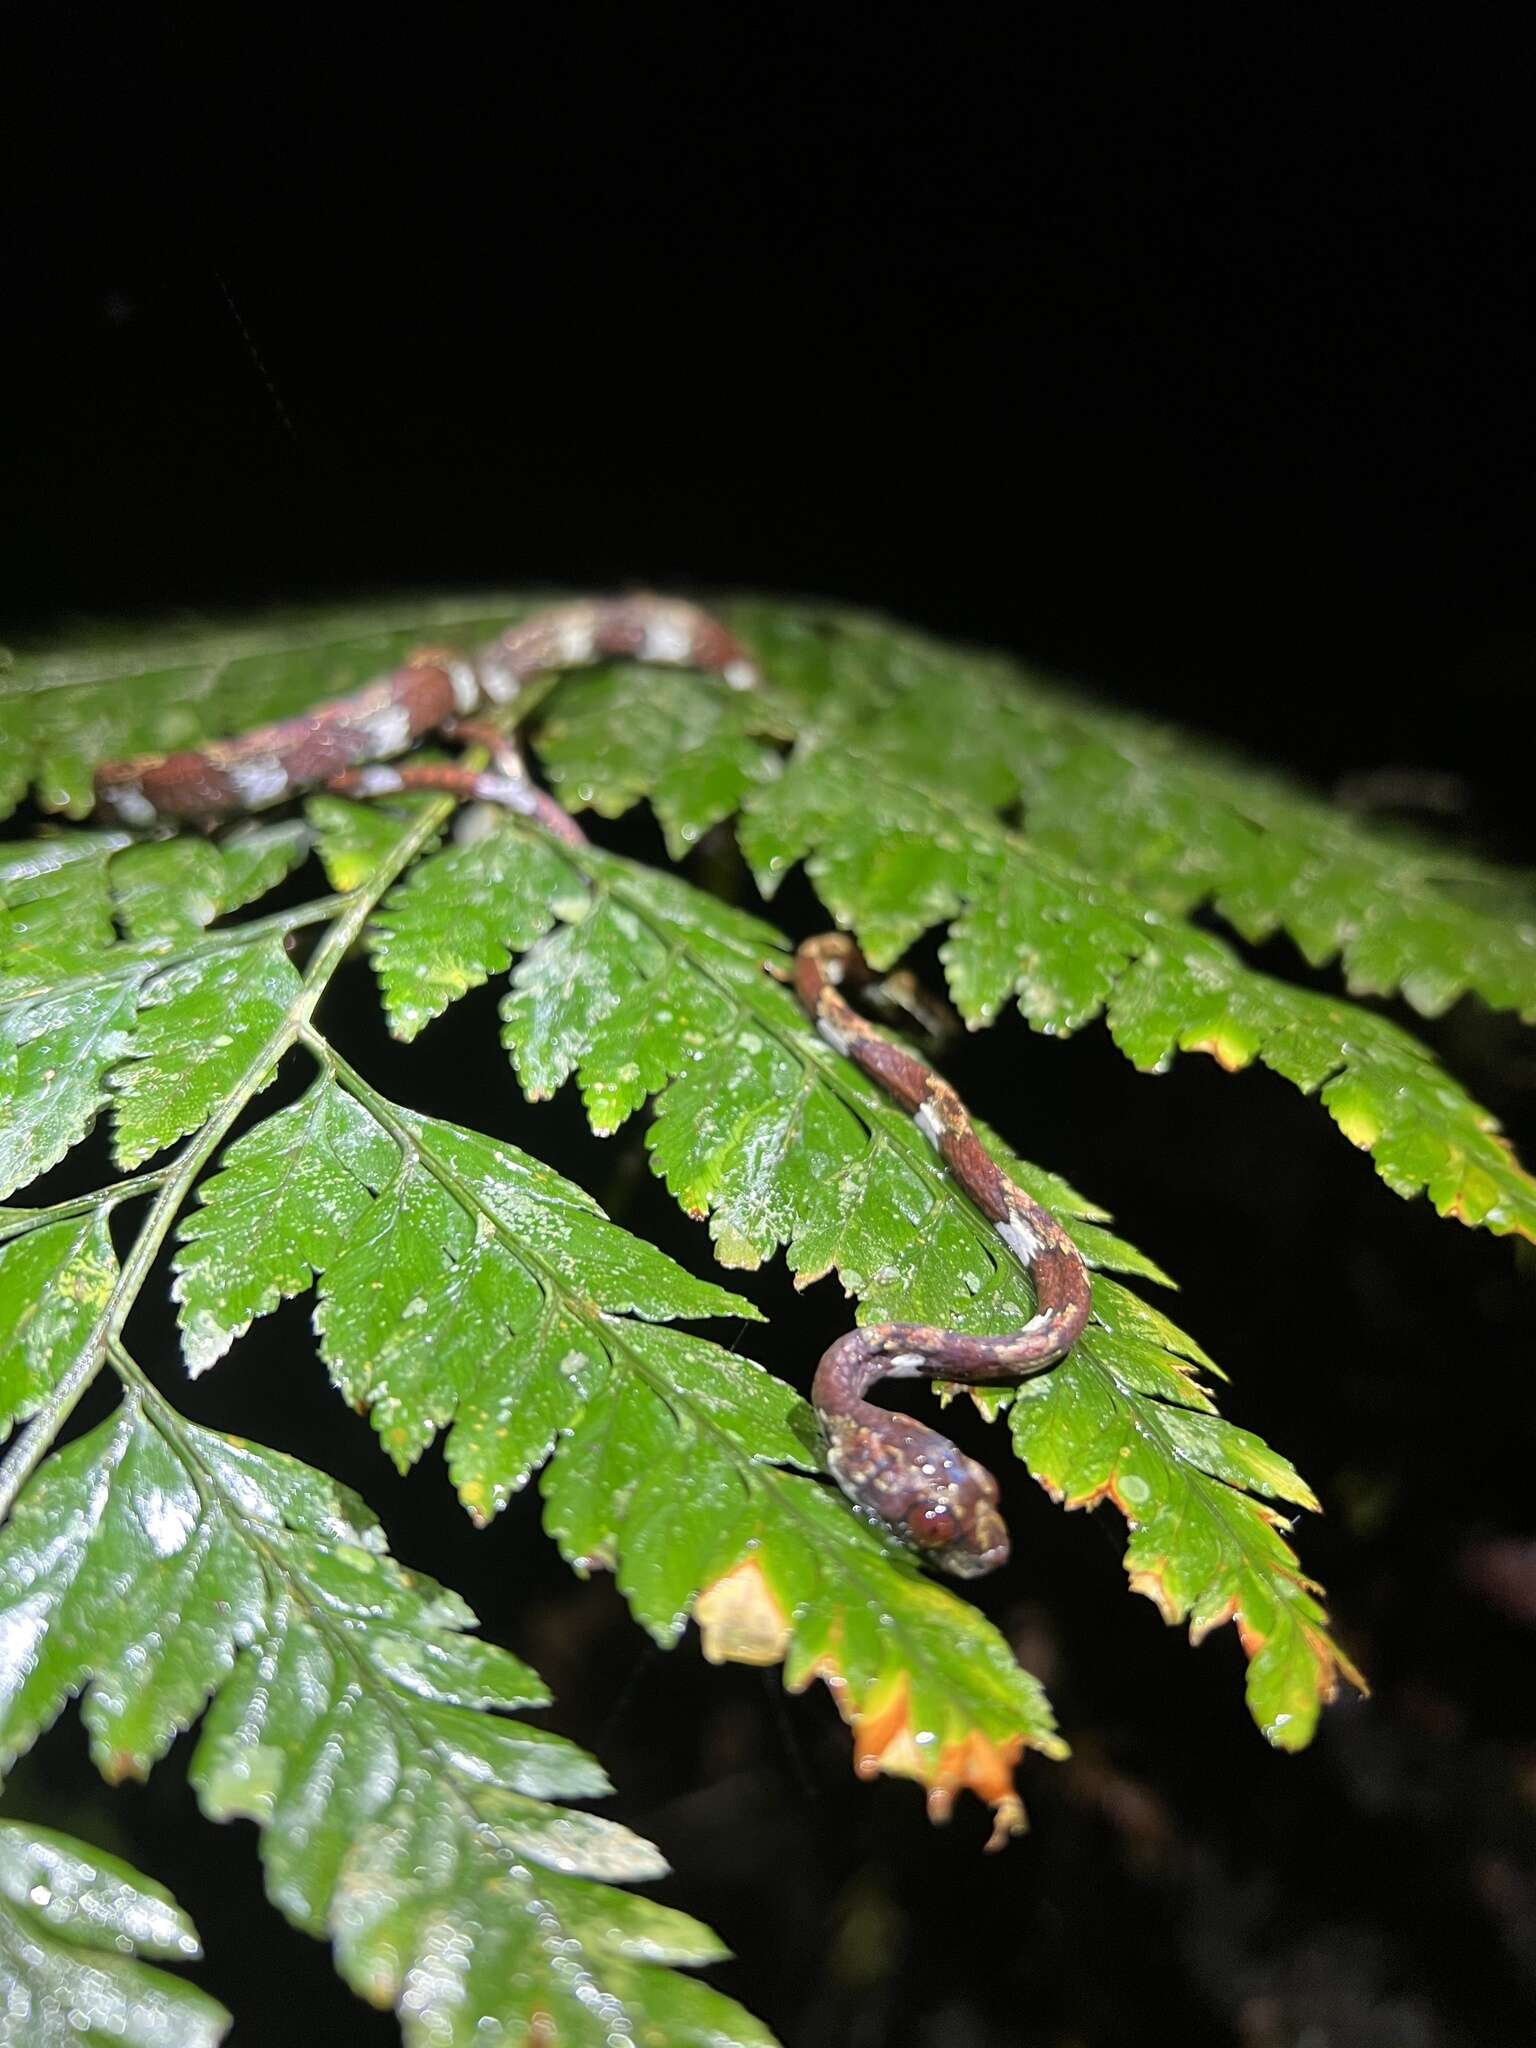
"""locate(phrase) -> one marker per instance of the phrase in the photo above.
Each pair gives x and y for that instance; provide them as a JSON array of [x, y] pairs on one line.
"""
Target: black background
[[1196, 366]]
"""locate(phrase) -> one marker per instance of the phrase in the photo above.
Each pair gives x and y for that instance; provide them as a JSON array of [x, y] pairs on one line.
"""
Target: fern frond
[[465, 1286], [1127, 830], [908, 756], [64, 900], [1169, 820], [416, 1284], [1067, 949], [695, 750], [173, 888], [160, 1570], [296, 1196], [653, 989], [76, 1928], [157, 1568]]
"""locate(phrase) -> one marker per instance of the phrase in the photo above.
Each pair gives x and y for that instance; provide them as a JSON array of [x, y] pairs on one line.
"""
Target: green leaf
[[694, 748], [1068, 948], [907, 752], [200, 1026], [54, 1059], [592, 1974], [168, 888], [116, 1585], [70, 993], [782, 1143], [255, 858], [357, 841], [455, 921], [436, 1308], [1201, 1549], [55, 909], [1183, 825], [283, 1202], [55, 1279], [1161, 815], [74, 1925], [172, 888], [154, 1567], [613, 993], [567, 987], [465, 1286], [656, 1487]]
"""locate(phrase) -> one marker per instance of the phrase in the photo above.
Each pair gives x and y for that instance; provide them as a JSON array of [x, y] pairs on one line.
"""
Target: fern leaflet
[[76, 1930], [156, 1568]]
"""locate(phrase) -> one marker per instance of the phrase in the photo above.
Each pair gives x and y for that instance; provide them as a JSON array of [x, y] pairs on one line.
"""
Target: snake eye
[[933, 1526]]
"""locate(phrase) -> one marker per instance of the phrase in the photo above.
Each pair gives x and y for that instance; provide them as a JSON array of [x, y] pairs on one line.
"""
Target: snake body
[[908, 1477], [432, 687]]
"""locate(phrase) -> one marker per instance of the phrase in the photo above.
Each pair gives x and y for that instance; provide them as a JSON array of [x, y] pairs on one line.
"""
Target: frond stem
[[19, 1220]]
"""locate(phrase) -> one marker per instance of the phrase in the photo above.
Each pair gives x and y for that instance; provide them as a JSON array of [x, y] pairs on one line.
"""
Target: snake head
[[921, 1487], [960, 1531]]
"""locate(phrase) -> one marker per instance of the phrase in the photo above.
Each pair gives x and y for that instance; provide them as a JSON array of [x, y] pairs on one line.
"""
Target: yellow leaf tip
[[740, 1619]]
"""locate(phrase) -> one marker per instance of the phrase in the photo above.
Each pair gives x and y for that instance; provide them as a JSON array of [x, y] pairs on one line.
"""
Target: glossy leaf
[[436, 1306], [173, 888], [455, 921], [71, 992], [163, 1047], [908, 752], [695, 749], [1069, 948], [662, 1481], [463, 1285], [55, 1279], [1158, 813], [115, 1585], [782, 1143], [55, 909], [199, 1028], [55, 1055], [283, 1202], [76, 1926], [153, 1568], [465, 1288]]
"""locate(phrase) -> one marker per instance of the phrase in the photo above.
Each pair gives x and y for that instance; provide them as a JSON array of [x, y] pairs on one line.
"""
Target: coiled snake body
[[909, 1477]]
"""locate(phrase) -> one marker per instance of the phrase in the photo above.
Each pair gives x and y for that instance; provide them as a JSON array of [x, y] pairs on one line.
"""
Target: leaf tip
[[1233, 1054], [1149, 1582], [480, 1502], [886, 1743], [740, 1619]]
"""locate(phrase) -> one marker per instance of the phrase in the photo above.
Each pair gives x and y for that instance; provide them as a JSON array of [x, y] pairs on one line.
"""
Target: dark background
[[1195, 366]]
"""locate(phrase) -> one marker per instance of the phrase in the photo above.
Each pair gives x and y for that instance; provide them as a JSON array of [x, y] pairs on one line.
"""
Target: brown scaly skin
[[228, 778], [909, 1477]]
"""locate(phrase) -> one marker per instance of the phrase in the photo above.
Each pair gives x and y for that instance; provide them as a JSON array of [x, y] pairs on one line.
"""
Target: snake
[[905, 1476]]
